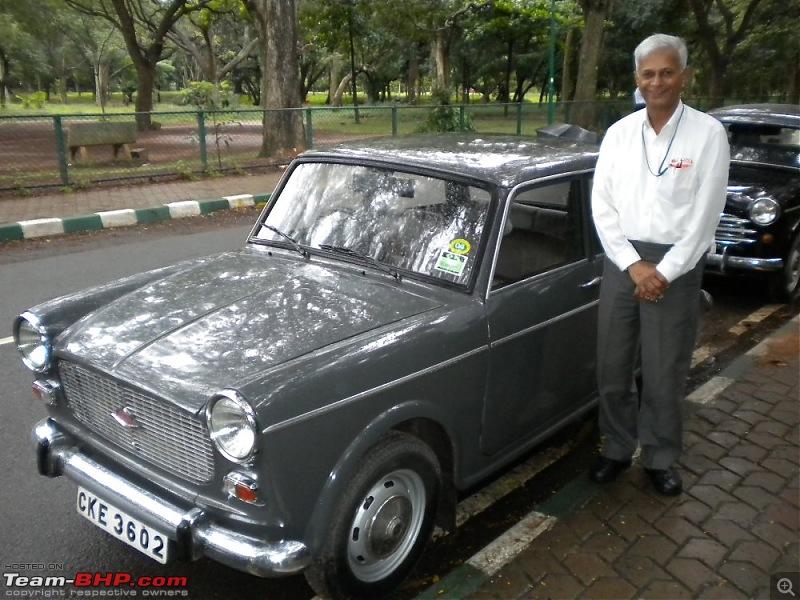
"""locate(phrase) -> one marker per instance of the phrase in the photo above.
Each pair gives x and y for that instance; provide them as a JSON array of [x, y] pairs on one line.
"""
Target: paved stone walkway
[[733, 533]]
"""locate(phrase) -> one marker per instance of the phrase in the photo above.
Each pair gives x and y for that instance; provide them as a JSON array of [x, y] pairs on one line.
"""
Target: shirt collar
[[673, 120]]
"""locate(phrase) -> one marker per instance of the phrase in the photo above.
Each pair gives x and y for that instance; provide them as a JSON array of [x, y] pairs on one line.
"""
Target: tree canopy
[[469, 50]]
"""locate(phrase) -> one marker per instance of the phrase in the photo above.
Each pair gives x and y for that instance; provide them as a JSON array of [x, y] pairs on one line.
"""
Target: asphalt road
[[39, 527]]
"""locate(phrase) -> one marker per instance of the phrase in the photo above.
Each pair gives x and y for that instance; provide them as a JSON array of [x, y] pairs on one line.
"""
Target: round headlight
[[32, 342], [764, 211], [232, 424]]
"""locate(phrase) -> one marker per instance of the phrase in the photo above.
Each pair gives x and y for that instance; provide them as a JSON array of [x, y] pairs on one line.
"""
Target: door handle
[[592, 283]]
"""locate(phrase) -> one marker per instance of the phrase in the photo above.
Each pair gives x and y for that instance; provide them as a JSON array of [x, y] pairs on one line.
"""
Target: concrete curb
[[24, 230]]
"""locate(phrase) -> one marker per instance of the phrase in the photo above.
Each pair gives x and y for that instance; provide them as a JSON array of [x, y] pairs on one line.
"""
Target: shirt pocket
[[676, 186]]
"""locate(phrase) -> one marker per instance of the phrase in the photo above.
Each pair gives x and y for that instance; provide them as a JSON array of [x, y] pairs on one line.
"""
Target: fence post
[[394, 121], [61, 150], [519, 117], [461, 119], [309, 129], [201, 136]]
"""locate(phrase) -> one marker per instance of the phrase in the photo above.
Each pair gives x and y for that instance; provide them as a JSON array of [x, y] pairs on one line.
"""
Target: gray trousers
[[663, 335]]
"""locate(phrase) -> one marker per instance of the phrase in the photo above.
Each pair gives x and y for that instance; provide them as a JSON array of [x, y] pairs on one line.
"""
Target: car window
[[542, 231], [764, 143], [422, 224]]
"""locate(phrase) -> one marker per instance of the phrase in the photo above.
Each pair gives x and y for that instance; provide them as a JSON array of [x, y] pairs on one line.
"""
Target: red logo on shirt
[[681, 163]]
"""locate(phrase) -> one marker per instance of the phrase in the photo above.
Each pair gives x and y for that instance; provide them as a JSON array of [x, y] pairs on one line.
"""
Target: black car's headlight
[[232, 425], [33, 342], [764, 211]]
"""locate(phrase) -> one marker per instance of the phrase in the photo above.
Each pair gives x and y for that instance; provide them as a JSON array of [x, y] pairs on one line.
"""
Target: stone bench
[[82, 134]]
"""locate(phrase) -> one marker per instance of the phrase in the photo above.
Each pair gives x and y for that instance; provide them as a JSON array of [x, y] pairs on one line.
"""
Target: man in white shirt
[[659, 189]]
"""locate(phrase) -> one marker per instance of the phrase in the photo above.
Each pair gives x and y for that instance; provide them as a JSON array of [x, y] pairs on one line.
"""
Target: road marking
[[504, 548], [8, 340], [707, 351]]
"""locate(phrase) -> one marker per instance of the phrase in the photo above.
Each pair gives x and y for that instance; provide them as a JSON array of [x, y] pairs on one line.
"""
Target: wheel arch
[[410, 419]]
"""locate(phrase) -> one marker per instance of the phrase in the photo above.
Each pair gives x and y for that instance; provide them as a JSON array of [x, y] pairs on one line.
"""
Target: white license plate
[[124, 527]]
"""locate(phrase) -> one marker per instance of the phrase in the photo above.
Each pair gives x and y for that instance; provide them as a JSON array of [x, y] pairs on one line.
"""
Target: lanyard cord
[[661, 168]]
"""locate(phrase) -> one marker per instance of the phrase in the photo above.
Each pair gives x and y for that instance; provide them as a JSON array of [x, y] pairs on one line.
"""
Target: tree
[[144, 25], [275, 22], [595, 13], [721, 26]]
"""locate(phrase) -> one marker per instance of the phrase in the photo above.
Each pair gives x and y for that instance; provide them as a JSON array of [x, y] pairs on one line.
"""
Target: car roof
[[783, 115], [502, 160]]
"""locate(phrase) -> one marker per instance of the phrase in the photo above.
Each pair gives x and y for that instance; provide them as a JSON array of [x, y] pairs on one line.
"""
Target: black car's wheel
[[785, 286], [381, 523]]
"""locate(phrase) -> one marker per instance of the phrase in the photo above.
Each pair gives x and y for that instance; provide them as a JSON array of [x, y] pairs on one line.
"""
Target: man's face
[[661, 80]]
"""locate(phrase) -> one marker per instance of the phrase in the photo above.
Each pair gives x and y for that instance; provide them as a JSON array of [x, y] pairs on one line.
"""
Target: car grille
[[734, 230], [151, 429]]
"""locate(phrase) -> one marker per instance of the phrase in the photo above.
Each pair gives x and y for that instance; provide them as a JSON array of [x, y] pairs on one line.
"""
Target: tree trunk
[[441, 58], [568, 67], [595, 13], [277, 29]]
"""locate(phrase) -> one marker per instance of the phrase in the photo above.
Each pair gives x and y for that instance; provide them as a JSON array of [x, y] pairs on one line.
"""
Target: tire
[[785, 286], [382, 522]]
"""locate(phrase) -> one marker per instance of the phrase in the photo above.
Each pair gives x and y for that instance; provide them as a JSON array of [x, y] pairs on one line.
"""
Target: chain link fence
[[81, 150]]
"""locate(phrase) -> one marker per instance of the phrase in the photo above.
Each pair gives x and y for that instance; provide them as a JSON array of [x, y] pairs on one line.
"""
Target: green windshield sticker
[[460, 246], [452, 263]]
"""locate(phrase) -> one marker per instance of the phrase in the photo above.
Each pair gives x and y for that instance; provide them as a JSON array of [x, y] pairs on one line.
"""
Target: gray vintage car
[[406, 317]]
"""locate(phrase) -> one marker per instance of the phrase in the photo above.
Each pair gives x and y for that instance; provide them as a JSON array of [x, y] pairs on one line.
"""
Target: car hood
[[229, 318]]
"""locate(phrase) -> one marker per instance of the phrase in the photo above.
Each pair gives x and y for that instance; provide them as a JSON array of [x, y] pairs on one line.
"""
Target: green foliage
[[34, 100], [443, 117], [207, 96]]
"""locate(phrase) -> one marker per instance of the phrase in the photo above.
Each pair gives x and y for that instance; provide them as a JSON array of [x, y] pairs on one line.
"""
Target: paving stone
[[665, 590], [727, 532], [584, 523], [739, 465], [511, 582], [706, 550], [725, 439], [606, 544], [756, 553], [768, 481], [692, 573], [783, 514], [722, 478], [751, 452], [710, 495], [776, 535], [723, 591], [638, 570], [736, 511], [678, 529], [696, 462], [692, 510], [757, 497], [610, 588], [555, 586], [743, 575], [657, 547], [588, 566]]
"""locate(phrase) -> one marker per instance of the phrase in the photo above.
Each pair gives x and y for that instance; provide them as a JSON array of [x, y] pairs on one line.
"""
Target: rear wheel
[[381, 523], [785, 286]]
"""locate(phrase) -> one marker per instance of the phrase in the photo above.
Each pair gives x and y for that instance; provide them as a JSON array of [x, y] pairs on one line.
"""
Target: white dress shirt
[[681, 207]]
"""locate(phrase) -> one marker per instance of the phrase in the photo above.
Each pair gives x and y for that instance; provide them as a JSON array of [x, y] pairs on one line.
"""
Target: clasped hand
[[650, 284]]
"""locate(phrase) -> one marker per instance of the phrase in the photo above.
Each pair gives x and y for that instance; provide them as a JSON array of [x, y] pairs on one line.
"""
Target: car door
[[542, 313]]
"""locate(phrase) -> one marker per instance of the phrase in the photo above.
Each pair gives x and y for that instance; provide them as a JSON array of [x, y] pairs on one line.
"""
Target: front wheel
[[785, 286], [382, 522]]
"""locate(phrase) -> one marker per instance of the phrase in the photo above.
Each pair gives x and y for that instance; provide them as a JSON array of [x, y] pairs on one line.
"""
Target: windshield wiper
[[288, 238], [344, 250]]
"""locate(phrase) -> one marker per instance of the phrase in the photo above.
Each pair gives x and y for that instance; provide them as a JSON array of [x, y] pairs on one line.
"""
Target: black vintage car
[[759, 232]]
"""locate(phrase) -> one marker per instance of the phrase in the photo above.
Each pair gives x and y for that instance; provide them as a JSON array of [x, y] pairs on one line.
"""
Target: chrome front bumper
[[192, 530], [724, 262]]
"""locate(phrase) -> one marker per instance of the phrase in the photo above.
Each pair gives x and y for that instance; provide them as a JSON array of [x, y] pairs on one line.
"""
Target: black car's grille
[[734, 230], [153, 430]]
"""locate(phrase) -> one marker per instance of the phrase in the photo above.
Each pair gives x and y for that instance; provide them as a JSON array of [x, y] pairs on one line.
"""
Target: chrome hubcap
[[386, 525]]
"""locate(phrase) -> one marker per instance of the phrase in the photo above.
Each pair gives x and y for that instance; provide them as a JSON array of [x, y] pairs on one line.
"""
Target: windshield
[[405, 221], [771, 144]]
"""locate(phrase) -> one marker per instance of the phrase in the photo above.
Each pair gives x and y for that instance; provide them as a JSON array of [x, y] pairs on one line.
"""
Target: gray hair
[[659, 42]]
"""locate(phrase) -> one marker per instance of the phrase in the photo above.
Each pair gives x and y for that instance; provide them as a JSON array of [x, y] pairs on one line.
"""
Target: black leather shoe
[[607, 469], [666, 481]]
